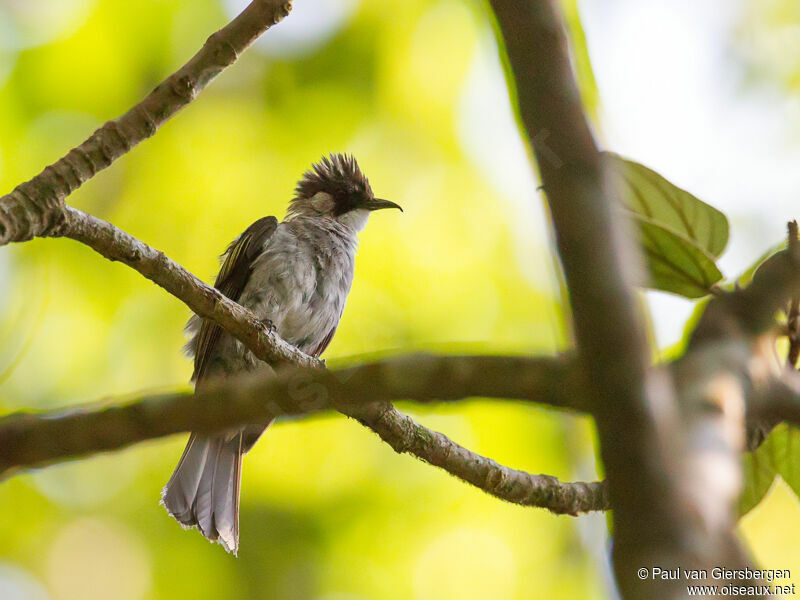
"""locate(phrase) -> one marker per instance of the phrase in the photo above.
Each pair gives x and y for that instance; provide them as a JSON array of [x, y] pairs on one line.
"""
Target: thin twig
[[793, 314], [403, 434]]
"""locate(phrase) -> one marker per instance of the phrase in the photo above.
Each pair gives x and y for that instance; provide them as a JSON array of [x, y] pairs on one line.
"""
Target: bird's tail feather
[[203, 491]]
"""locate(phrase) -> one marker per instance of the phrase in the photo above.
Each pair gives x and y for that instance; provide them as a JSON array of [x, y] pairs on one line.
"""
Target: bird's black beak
[[378, 204]]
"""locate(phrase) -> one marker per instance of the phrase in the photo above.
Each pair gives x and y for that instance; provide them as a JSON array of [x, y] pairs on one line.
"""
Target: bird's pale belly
[[303, 303], [306, 320]]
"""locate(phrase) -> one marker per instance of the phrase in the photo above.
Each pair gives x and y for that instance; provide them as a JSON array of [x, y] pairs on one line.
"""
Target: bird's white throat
[[355, 219]]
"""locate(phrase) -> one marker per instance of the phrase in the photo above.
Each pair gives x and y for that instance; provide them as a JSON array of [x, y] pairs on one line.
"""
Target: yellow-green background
[[328, 511]]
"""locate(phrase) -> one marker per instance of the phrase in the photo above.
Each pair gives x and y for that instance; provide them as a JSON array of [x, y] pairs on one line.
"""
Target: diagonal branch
[[744, 320], [541, 380], [600, 262], [362, 392], [403, 434], [36, 207], [204, 300], [780, 400]]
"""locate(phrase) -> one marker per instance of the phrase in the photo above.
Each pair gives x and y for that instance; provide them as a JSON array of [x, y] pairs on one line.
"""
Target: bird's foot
[[268, 324]]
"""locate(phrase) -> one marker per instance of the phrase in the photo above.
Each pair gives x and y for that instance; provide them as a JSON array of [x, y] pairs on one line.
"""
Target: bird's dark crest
[[338, 175]]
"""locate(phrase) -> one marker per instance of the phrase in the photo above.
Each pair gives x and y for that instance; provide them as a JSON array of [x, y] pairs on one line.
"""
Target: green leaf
[[649, 195], [675, 263], [759, 473], [778, 455], [681, 235], [785, 443]]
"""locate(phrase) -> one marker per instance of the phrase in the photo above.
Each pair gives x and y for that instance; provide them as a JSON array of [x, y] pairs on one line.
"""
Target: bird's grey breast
[[301, 279]]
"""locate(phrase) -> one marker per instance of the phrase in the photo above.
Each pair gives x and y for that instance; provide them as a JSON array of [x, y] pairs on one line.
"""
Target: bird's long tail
[[203, 491]]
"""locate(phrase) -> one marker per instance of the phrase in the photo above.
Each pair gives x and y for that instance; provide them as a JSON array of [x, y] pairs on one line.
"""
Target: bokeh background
[[705, 93]]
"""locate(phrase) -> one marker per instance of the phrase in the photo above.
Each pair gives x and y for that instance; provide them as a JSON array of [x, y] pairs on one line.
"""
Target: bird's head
[[336, 188]]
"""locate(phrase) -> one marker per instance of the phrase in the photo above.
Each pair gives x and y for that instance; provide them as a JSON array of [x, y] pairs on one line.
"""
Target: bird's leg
[[268, 324]]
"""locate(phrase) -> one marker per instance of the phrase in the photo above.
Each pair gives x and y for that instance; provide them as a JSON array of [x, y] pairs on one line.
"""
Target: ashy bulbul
[[294, 275]]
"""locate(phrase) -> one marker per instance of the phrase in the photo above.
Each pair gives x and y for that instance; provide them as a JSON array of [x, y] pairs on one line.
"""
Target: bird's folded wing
[[236, 269]]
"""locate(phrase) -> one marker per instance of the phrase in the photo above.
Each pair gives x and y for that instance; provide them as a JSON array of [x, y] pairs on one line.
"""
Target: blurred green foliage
[[767, 42], [328, 511]]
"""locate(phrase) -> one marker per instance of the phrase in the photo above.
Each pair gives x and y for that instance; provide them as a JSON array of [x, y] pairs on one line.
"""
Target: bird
[[295, 276]]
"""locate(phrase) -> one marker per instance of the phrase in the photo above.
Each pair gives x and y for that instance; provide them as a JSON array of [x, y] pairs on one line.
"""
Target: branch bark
[[204, 300], [600, 263], [650, 441], [780, 401], [36, 207], [362, 392], [743, 322], [551, 381], [404, 435], [732, 387]]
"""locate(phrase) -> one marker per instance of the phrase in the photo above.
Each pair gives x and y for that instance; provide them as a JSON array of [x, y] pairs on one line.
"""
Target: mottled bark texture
[[653, 440], [36, 207], [670, 436], [404, 435], [202, 298], [600, 262], [363, 392]]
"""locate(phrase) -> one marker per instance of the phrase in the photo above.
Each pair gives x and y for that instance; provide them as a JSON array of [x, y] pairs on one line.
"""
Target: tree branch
[[728, 377], [600, 263], [643, 434], [554, 381], [403, 434], [362, 392], [204, 300], [744, 322], [36, 207], [780, 400]]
